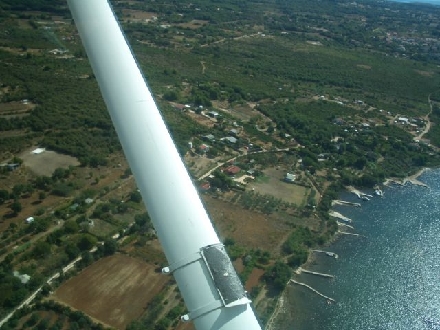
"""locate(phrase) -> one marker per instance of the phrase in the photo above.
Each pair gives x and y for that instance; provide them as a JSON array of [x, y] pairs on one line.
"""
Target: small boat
[[365, 198]]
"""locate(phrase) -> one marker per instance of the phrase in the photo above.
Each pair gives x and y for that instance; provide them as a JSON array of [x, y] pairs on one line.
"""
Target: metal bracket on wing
[[226, 280], [182, 263], [216, 304]]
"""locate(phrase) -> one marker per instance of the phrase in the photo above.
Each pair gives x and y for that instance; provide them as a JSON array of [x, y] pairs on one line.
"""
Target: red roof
[[232, 169]]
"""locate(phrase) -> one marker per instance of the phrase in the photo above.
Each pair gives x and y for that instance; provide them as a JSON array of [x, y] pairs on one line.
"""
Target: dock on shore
[[344, 224], [341, 202], [302, 270], [330, 254], [338, 215], [346, 233], [316, 291]]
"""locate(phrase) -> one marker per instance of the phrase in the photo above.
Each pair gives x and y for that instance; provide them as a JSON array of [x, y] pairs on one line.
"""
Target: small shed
[[24, 278], [213, 114], [290, 177], [233, 132], [204, 148], [205, 186], [38, 151], [209, 137], [230, 139]]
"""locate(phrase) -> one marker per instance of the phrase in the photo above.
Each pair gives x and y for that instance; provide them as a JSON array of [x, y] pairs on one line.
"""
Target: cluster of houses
[[209, 139], [412, 124]]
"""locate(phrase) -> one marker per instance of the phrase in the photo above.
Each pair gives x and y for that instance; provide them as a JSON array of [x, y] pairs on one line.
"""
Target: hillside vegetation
[[294, 100]]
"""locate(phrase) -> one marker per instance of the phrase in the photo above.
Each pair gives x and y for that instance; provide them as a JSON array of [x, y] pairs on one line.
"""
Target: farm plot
[[273, 184], [248, 228], [114, 290], [47, 162]]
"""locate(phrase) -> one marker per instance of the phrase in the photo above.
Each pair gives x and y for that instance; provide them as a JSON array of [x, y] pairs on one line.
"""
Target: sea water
[[388, 278], [432, 2]]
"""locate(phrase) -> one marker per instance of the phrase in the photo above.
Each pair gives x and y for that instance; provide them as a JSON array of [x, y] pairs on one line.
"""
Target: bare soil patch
[[138, 14], [254, 279], [238, 265], [19, 51], [273, 184], [46, 162], [16, 109], [202, 120], [185, 326], [114, 290], [199, 164], [242, 112], [425, 73], [194, 24], [101, 227], [248, 228], [12, 133]]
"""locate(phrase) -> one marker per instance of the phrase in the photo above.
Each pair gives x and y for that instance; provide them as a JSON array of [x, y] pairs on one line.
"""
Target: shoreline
[[413, 179], [409, 196], [312, 258]]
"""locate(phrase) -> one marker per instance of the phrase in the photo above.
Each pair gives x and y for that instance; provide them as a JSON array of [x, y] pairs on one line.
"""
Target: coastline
[[413, 179]]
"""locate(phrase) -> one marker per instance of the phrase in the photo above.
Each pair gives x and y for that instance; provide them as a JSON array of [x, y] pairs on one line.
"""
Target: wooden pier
[[344, 224], [339, 216], [346, 233], [302, 270], [340, 202], [316, 291], [330, 254]]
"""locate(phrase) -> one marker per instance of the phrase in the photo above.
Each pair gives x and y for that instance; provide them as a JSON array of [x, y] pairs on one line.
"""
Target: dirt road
[[428, 121]]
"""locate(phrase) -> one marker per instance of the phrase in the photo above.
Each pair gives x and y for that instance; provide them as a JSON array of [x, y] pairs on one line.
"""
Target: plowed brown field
[[114, 290]]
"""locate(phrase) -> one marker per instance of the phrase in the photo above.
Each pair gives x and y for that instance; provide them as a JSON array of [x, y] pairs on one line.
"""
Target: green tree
[[62, 190], [136, 196], [71, 227], [87, 257], [278, 275], [4, 195], [142, 219], [17, 160], [110, 246], [86, 242], [41, 249], [18, 189], [72, 251], [60, 173], [171, 95], [16, 207]]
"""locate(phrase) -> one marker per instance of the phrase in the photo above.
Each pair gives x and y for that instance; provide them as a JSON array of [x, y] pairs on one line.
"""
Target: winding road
[[428, 121], [238, 156]]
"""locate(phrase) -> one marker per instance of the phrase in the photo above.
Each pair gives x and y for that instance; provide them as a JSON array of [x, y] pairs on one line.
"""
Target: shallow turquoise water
[[389, 278]]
